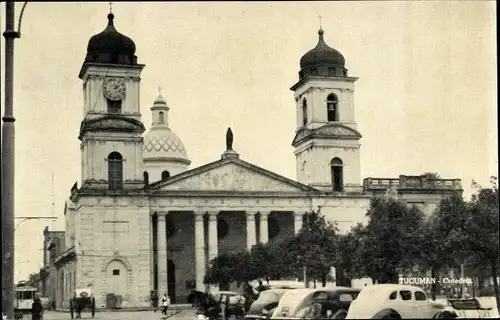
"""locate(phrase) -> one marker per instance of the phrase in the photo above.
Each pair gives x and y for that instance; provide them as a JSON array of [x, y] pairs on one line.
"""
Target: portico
[[206, 226]]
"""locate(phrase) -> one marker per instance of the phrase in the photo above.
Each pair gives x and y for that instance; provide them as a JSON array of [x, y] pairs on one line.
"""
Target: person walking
[[165, 302], [36, 309], [154, 300]]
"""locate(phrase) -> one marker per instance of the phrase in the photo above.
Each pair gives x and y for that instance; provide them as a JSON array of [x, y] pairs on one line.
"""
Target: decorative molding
[[136, 79], [330, 130], [111, 123], [95, 77], [351, 148]]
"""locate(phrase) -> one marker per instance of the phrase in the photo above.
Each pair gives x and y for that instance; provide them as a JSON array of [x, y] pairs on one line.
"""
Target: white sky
[[425, 100]]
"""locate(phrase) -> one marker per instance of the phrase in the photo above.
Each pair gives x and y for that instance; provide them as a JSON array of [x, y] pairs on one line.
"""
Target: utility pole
[[8, 167], [7, 176]]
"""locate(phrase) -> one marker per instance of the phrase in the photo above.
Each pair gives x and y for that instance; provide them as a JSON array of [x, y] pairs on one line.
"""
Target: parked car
[[263, 307], [320, 303], [394, 301], [473, 309]]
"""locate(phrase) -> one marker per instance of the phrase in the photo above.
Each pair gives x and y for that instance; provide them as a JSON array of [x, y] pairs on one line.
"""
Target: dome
[[161, 144], [110, 46], [164, 144], [322, 60]]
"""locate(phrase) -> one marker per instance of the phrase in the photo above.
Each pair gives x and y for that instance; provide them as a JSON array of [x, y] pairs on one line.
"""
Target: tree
[[262, 262], [442, 237], [389, 244], [314, 247], [431, 175], [482, 228], [228, 268], [346, 257]]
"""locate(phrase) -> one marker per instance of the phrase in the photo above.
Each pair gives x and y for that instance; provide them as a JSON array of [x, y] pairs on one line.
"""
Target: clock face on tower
[[114, 89]]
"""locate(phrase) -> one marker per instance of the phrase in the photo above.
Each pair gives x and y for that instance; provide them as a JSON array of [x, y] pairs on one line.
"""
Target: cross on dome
[[159, 90], [110, 7], [320, 21]]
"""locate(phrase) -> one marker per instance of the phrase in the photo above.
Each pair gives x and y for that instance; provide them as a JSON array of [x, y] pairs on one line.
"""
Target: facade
[[54, 243], [143, 220]]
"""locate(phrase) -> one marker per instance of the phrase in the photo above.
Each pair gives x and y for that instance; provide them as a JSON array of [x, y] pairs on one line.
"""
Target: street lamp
[[7, 173]]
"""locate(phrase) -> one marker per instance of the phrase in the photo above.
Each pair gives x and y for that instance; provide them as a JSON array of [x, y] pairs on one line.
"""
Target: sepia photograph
[[256, 160]]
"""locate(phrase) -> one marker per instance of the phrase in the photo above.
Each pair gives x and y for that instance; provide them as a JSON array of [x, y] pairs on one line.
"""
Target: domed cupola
[[110, 46], [322, 61], [164, 153]]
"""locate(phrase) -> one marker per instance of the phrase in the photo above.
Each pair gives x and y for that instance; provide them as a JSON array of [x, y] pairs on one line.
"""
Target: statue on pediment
[[229, 139]]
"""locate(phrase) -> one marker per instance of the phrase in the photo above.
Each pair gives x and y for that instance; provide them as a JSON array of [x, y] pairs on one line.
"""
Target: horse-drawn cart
[[81, 301]]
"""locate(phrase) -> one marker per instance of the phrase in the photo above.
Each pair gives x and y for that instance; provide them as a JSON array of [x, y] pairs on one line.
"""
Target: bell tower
[[111, 130], [326, 142]]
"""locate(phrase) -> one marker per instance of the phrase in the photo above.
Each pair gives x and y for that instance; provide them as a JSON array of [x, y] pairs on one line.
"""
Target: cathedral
[[142, 219]]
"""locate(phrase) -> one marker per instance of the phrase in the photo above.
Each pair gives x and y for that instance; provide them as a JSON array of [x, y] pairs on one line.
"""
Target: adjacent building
[[142, 219]]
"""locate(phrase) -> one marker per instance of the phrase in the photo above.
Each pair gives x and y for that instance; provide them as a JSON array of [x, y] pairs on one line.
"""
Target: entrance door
[[116, 278], [171, 279]]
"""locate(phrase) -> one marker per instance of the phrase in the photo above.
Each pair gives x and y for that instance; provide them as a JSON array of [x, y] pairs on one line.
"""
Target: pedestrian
[[165, 302], [154, 300], [36, 309]]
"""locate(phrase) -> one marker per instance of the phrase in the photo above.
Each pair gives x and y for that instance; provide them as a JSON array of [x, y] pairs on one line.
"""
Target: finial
[[229, 139], [159, 90], [111, 7], [320, 31]]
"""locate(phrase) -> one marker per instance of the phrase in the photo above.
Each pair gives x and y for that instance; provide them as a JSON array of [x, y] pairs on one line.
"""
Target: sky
[[425, 100]]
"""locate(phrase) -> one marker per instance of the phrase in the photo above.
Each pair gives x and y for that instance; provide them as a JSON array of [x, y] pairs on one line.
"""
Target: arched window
[[337, 174], [304, 112], [114, 106], [332, 107], [161, 117], [115, 171], [146, 177], [165, 175]]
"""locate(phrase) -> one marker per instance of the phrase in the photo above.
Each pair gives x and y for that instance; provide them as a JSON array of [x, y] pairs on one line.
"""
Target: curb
[[144, 309]]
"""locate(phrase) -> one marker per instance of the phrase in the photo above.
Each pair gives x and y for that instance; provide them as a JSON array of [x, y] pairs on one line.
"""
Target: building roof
[[110, 46], [322, 59]]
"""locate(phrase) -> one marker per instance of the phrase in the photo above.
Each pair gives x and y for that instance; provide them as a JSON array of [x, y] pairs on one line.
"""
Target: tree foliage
[[389, 242], [313, 247], [481, 229], [397, 238], [441, 238]]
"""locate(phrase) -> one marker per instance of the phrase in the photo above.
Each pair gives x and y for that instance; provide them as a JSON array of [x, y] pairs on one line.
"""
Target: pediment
[[331, 130], [111, 123], [231, 175]]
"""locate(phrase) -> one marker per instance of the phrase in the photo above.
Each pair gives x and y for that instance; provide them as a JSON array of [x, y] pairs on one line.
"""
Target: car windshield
[[269, 296]]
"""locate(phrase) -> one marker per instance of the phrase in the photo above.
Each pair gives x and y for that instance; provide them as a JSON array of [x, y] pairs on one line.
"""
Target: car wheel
[[341, 314], [445, 315], [387, 315]]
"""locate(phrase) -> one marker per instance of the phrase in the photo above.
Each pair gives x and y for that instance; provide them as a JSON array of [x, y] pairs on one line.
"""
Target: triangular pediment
[[231, 175], [330, 130]]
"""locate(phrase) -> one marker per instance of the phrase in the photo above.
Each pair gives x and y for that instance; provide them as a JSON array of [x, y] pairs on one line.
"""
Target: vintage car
[[82, 300], [263, 307], [394, 301], [320, 303], [473, 308]]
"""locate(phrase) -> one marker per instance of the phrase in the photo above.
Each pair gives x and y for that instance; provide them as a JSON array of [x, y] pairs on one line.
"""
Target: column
[[251, 231], [264, 228], [151, 253], [213, 241], [199, 250], [298, 218], [162, 255]]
